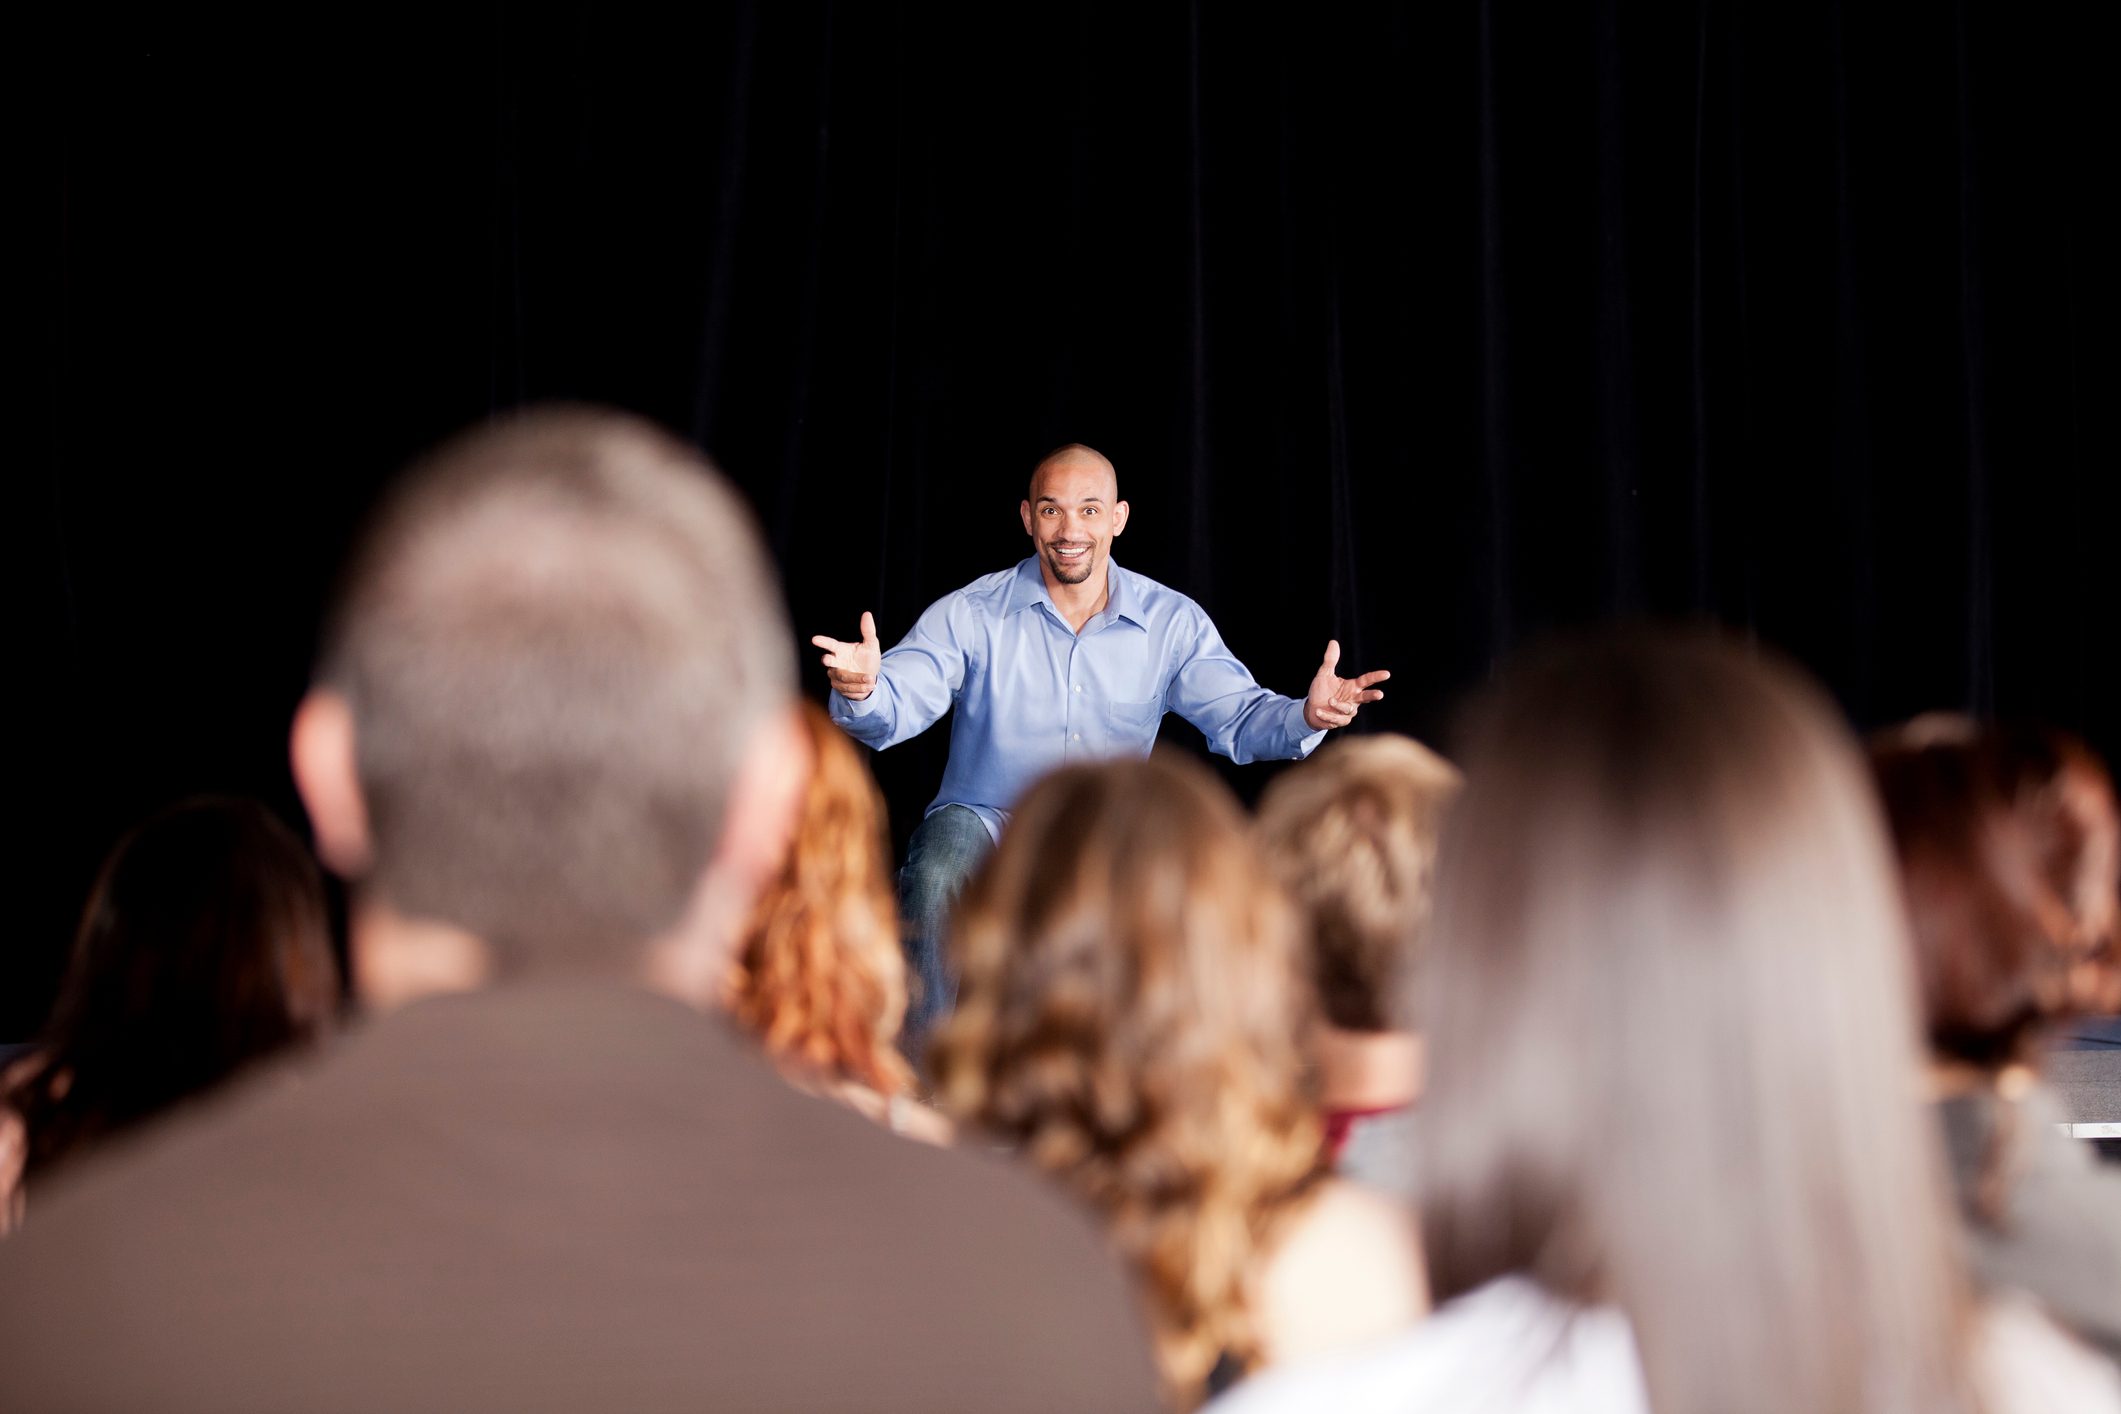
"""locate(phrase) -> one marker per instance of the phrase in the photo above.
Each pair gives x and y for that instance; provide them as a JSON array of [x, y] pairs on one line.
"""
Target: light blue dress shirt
[[1031, 694]]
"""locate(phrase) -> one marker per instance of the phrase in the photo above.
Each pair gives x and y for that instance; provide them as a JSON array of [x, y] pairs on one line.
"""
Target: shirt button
[[1078, 687], [1077, 737]]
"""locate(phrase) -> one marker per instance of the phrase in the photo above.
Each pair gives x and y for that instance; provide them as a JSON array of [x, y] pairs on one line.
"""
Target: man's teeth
[[1063, 549]]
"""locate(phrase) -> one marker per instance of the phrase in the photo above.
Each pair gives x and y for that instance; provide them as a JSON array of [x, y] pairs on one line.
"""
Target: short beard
[[1081, 567]]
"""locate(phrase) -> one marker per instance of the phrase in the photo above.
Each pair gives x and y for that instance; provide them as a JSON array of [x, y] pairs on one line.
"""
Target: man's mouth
[[1071, 552]]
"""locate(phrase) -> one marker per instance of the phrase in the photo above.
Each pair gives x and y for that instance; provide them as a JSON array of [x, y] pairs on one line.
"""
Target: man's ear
[[691, 962], [1024, 509], [1119, 516], [320, 748]]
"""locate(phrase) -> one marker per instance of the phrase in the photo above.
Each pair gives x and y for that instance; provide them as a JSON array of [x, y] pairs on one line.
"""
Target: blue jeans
[[941, 856]]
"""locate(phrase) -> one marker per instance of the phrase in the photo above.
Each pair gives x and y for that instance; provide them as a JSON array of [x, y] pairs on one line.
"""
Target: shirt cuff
[[1301, 733], [845, 709]]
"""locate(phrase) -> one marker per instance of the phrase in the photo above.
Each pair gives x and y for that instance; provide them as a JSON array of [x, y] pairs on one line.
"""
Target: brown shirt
[[548, 1198]]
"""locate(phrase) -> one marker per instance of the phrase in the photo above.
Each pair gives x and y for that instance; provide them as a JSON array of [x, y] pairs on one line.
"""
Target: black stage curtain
[[1433, 327]]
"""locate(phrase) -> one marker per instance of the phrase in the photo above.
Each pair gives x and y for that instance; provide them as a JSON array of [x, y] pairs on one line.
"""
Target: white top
[[1509, 1348]]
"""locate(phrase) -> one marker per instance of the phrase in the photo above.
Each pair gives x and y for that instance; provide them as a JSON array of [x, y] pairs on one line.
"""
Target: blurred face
[[1072, 514]]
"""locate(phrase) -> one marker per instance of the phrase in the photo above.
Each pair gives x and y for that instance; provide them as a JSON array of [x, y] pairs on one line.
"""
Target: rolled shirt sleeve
[[916, 683], [1218, 694]]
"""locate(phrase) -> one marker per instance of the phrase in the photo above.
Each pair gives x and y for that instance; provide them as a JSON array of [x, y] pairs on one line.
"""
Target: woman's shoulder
[[1342, 1221], [901, 1114], [1507, 1346], [1346, 1270]]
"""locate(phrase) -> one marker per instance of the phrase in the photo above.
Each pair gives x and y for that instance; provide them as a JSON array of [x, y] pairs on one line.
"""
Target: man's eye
[[1089, 510]]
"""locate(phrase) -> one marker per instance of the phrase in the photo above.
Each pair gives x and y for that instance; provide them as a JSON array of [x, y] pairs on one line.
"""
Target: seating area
[[1597, 1030]]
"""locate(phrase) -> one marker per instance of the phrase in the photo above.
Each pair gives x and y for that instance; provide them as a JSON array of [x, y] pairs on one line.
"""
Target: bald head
[[1071, 512], [1075, 458]]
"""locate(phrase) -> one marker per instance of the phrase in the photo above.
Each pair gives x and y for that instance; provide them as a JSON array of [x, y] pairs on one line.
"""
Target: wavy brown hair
[[1132, 1015], [820, 977]]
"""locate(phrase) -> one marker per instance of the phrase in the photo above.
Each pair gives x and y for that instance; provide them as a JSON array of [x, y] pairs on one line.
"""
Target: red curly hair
[[819, 977]]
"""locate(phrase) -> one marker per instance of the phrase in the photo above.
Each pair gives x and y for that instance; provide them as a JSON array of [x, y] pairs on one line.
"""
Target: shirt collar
[[1121, 594], [1123, 597], [1028, 589]]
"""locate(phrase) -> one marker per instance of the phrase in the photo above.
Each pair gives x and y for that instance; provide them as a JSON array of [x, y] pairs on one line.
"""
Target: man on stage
[[1066, 657]]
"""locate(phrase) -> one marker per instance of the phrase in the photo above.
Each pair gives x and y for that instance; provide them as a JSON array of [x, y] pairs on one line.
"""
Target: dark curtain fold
[[1435, 328]]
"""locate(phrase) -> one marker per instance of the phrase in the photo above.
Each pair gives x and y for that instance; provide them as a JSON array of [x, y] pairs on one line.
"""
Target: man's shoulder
[[987, 598], [656, 1179], [992, 588], [1156, 602]]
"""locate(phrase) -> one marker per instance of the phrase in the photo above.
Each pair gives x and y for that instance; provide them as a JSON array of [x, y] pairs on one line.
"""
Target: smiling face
[[1072, 513]]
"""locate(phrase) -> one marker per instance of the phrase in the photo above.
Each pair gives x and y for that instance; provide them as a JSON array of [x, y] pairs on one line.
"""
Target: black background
[[1434, 327]]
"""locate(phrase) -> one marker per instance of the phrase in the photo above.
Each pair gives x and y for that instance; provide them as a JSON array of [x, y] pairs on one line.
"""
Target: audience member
[[1131, 1016], [819, 975], [552, 737], [1670, 1154], [2009, 853], [204, 946], [1353, 836]]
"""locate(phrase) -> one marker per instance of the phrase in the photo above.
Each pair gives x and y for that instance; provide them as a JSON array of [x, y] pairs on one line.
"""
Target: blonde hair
[[1353, 835], [819, 977], [1131, 1014]]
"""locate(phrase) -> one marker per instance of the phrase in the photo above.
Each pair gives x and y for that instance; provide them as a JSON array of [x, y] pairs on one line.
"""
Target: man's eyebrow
[[1083, 502]]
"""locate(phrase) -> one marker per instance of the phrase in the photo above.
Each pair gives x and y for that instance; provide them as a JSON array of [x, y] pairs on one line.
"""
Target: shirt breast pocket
[[1136, 718]]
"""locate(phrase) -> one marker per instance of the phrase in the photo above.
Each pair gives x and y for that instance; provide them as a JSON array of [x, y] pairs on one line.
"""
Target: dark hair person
[[1672, 1157], [204, 946], [819, 976], [2010, 852], [1132, 1016], [1353, 835]]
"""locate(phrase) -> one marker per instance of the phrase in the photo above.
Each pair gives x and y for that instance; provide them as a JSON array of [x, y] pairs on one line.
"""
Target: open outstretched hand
[[852, 667], [1333, 700]]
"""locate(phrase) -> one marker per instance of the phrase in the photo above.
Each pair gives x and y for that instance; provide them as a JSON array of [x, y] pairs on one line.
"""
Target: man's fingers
[[1368, 678], [840, 645], [1332, 654], [1371, 696]]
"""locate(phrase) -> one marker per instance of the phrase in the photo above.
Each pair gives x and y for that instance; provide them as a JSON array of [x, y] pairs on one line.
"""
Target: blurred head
[[204, 946], [553, 710], [819, 975], [1131, 1015], [2009, 854], [1353, 836], [1071, 511], [1673, 1052]]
